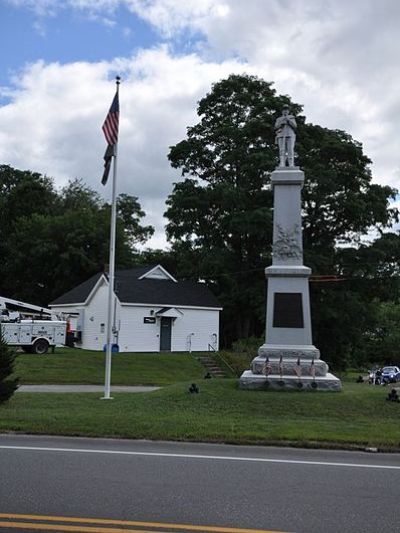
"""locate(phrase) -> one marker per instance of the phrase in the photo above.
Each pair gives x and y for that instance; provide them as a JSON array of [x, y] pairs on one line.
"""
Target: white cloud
[[53, 122], [171, 16], [338, 58]]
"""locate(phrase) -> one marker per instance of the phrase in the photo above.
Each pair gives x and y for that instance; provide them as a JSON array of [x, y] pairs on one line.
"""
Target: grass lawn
[[69, 365], [358, 416]]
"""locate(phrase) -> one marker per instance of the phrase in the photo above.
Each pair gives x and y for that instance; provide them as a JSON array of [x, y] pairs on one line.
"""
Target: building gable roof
[[132, 288], [80, 293], [158, 272]]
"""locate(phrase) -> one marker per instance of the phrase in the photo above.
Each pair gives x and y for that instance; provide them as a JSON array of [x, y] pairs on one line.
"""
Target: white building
[[154, 312]]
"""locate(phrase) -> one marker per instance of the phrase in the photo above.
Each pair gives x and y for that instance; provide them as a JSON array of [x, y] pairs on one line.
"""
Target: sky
[[59, 59]]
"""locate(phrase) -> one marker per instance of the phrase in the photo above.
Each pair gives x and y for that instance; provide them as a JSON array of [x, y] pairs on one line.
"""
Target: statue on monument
[[285, 129]]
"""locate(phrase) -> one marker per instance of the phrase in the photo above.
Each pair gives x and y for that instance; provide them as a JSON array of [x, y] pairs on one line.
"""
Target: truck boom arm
[[23, 306]]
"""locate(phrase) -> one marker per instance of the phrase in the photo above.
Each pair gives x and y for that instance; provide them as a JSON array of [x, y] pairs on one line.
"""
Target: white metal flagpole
[[111, 274]]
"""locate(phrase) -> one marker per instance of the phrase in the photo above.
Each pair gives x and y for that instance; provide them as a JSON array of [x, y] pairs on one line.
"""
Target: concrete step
[[211, 366]]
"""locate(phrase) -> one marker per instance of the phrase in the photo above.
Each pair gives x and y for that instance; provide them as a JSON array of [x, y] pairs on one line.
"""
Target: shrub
[[7, 358]]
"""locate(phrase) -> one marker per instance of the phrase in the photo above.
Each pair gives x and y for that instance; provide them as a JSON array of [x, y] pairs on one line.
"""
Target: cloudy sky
[[59, 59]]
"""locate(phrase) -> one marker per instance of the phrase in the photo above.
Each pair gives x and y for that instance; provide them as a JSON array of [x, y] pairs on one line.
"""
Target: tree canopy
[[63, 236]]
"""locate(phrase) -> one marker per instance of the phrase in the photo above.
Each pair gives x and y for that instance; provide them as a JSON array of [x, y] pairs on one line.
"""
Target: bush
[[238, 362], [242, 353], [249, 345], [7, 358]]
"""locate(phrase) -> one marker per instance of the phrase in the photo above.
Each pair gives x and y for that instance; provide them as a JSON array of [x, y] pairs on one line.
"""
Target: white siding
[[94, 314], [203, 323], [136, 336], [94, 335]]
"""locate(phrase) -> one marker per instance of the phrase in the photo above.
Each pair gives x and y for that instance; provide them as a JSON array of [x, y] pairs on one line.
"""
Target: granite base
[[250, 381], [289, 366]]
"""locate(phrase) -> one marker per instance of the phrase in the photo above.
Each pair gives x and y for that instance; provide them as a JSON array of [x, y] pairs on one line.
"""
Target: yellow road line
[[63, 527], [106, 521]]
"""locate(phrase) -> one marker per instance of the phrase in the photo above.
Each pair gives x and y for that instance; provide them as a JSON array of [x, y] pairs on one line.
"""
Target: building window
[[102, 328]]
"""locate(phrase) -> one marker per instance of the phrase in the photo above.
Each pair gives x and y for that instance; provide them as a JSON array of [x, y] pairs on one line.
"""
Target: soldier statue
[[285, 129]]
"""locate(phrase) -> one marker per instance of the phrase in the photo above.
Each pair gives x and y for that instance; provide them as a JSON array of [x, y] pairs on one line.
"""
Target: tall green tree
[[55, 240], [351, 318], [220, 214]]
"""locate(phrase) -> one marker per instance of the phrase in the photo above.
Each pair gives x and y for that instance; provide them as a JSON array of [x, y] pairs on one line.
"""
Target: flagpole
[[111, 274]]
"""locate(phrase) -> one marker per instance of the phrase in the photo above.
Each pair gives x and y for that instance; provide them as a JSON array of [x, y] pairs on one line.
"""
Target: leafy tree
[[339, 201], [385, 338], [22, 194], [348, 316], [64, 241], [8, 385], [77, 195], [130, 214], [220, 214], [156, 256]]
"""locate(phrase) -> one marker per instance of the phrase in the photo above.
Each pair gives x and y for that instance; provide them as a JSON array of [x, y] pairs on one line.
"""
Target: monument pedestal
[[251, 381], [288, 359]]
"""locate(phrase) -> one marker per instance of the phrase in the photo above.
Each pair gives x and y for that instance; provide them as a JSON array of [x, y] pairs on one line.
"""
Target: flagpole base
[[250, 381], [106, 398]]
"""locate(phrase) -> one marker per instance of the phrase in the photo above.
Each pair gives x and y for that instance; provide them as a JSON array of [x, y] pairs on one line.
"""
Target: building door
[[165, 334]]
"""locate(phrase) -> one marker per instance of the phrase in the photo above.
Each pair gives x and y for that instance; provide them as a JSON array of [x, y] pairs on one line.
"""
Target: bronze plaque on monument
[[288, 310]]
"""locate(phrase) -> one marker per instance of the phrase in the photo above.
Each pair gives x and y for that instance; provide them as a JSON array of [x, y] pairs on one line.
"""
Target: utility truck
[[35, 329]]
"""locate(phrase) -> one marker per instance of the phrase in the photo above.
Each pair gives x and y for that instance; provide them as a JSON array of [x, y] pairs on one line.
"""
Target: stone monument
[[288, 359]]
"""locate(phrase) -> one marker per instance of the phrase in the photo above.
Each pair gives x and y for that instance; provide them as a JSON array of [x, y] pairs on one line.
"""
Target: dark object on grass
[[194, 389], [207, 376], [7, 357], [393, 396], [360, 379]]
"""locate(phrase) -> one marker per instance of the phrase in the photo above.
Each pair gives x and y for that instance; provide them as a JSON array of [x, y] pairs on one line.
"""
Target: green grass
[[358, 416], [238, 361], [68, 365]]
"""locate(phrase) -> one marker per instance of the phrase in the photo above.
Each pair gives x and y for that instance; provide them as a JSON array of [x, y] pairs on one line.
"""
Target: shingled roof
[[78, 294], [130, 290]]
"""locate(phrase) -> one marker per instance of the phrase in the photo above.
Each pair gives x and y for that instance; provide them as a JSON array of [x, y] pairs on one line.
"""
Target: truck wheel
[[41, 346]]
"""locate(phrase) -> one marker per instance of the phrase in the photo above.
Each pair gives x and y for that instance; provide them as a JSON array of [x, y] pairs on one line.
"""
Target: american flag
[[110, 130], [266, 367], [281, 365], [312, 368], [297, 368], [110, 126]]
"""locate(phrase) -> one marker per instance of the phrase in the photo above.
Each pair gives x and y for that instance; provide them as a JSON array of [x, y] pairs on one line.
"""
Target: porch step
[[211, 366]]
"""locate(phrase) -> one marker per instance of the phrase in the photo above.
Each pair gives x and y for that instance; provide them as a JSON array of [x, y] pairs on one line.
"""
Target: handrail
[[225, 362]]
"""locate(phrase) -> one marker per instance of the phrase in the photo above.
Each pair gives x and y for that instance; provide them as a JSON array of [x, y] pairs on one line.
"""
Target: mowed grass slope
[[358, 416], [72, 366]]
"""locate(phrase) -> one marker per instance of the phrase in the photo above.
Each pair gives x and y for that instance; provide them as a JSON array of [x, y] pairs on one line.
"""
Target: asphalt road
[[149, 486]]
